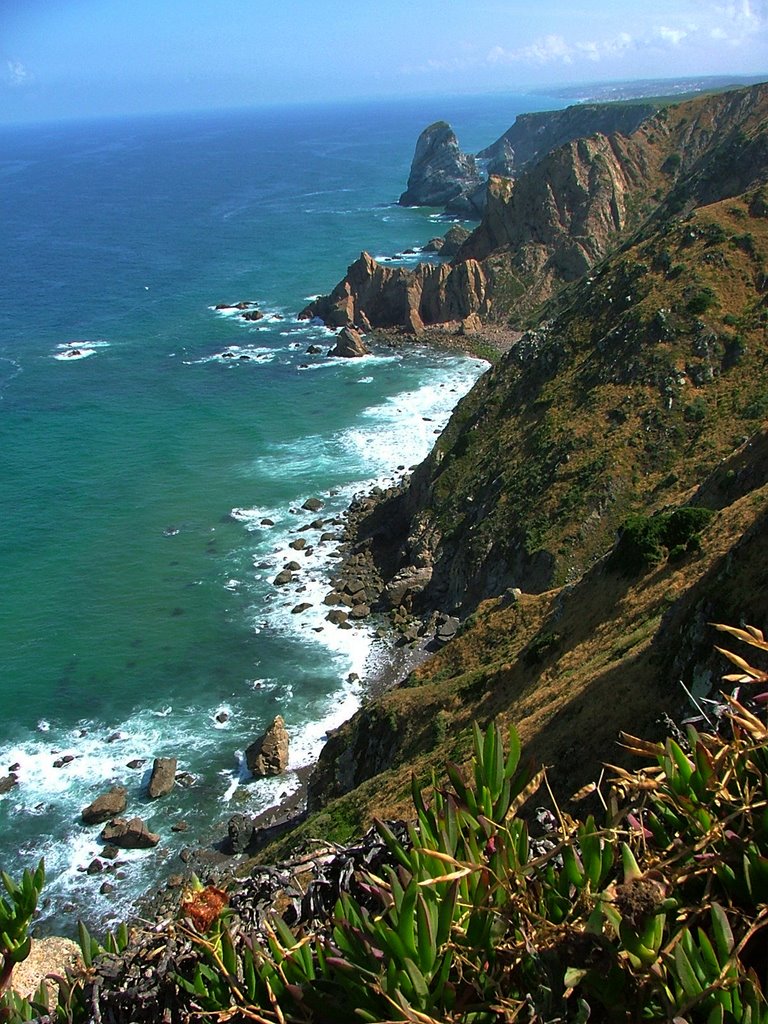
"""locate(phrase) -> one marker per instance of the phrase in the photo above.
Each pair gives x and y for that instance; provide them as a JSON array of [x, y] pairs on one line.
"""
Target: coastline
[[388, 665]]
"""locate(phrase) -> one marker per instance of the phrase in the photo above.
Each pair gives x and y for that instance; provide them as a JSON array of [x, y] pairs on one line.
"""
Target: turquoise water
[[137, 601]]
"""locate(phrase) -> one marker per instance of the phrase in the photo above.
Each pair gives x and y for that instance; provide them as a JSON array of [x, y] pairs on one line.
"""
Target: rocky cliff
[[440, 172], [532, 136], [441, 175], [565, 213], [633, 405], [372, 295]]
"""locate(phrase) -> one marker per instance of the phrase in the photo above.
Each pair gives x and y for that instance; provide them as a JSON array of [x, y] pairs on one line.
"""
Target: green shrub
[[701, 301], [695, 411], [645, 541]]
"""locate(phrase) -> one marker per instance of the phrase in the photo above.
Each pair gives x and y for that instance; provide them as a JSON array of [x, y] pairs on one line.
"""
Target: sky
[[95, 58]]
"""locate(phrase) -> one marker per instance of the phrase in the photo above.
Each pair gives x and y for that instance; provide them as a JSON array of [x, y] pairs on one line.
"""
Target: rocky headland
[[633, 268]]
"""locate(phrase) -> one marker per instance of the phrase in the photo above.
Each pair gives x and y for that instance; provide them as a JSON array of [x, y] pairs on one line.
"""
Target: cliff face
[[564, 214], [558, 220], [639, 390], [619, 402], [440, 172], [372, 295], [441, 175], [532, 136]]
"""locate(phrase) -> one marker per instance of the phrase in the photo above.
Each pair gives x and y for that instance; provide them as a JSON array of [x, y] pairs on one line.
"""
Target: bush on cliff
[[646, 540]]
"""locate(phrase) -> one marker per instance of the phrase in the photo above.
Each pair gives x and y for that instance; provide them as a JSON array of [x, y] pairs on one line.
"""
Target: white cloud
[[674, 36], [739, 20], [555, 49], [17, 74]]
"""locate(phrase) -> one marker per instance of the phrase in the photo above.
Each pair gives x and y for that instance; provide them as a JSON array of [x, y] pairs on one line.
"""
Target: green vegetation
[[16, 912], [656, 913], [645, 540]]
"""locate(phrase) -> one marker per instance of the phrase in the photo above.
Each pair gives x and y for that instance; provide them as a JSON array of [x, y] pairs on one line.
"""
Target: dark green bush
[[701, 301], [647, 540]]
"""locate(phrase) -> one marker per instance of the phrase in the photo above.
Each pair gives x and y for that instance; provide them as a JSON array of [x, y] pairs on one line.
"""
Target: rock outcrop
[[532, 136], [440, 173], [371, 295], [107, 805], [349, 345], [268, 755]]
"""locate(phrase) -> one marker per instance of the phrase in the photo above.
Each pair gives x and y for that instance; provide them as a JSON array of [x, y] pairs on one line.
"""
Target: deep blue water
[[137, 600]]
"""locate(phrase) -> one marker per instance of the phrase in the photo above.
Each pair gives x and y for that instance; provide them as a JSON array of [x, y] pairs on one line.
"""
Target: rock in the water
[[132, 834], [239, 832], [8, 782], [313, 504], [107, 805], [162, 778], [283, 577], [337, 616], [349, 345], [269, 754], [440, 172]]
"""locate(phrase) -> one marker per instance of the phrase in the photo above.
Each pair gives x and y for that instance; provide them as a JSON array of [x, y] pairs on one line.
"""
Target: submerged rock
[[8, 782]]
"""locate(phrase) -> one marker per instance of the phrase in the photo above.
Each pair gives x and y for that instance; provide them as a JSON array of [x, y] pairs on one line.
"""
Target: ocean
[[153, 476]]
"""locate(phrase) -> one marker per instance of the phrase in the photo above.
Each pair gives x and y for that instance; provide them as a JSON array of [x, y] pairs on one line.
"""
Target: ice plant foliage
[[658, 913]]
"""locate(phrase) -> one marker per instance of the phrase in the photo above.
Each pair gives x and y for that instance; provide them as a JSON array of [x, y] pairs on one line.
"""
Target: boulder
[[268, 755], [107, 805], [132, 834], [313, 504], [8, 782], [163, 777], [447, 628], [349, 344], [283, 577], [337, 616], [239, 832], [407, 582]]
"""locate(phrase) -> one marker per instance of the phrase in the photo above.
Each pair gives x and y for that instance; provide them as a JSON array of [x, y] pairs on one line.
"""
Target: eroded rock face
[[107, 805], [371, 295], [440, 172], [163, 777], [268, 755]]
